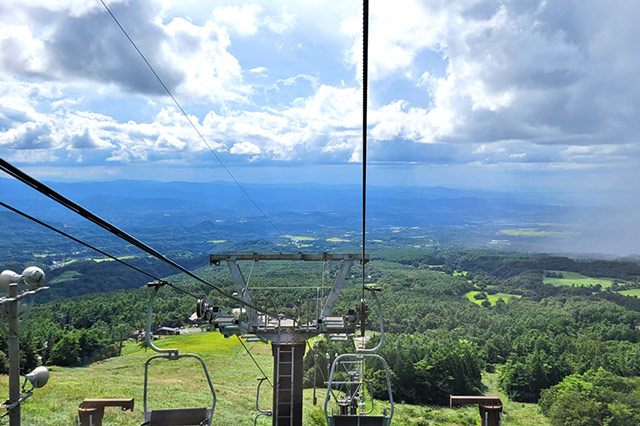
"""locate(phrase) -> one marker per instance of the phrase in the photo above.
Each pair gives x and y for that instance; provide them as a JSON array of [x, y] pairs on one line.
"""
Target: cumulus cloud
[[245, 148], [248, 19], [545, 84], [83, 44], [519, 76]]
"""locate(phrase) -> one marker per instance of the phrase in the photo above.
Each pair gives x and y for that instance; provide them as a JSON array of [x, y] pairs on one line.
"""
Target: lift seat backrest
[[342, 420], [179, 417]]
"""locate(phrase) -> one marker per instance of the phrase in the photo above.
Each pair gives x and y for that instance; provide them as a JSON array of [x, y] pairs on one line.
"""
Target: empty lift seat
[[350, 420], [179, 417]]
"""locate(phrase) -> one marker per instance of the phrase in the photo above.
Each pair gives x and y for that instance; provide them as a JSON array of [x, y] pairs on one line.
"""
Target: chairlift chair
[[199, 416], [352, 405]]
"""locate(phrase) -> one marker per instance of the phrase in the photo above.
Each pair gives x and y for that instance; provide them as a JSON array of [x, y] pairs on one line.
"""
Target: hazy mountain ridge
[[467, 218]]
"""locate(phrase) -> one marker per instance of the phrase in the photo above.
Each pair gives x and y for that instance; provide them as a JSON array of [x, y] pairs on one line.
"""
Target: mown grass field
[[634, 292], [530, 232], [579, 280], [182, 384], [493, 298]]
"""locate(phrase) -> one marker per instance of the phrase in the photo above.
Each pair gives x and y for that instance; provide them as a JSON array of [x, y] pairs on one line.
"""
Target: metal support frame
[[261, 412], [347, 418], [13, 342], [9, 309], [172, 355], [287, 381], [287, 336], [352, 406], [241, 286], [342, 275], [288, 330], [148, 413]]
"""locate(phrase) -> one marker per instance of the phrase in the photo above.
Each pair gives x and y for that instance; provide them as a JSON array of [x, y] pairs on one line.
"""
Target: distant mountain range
[[185, 203], [511, 220]]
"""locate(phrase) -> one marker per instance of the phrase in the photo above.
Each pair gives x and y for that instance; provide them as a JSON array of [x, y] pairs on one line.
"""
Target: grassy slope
[[514, 413], [182, 384]]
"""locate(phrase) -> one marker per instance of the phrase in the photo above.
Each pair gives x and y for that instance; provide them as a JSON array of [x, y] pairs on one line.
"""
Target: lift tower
[[288, 336]]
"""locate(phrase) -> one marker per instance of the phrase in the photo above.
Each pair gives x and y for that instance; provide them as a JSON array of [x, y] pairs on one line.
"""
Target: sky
[[507, 95]]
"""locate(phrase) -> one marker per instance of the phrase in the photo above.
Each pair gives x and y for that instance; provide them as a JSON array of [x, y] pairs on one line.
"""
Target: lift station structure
[[288, 336]]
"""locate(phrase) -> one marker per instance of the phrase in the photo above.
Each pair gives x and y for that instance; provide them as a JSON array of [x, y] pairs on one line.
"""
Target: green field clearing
[[579, 280], [530, 232], [460, 273], [493, 298], [66, 276], [299, 238], [108, 259], [634, 292], [182, 384], [338, 240]]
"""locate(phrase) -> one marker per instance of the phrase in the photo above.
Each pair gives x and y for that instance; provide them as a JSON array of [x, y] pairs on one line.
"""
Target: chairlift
[[199, 416], [261, 411], [350, 394]]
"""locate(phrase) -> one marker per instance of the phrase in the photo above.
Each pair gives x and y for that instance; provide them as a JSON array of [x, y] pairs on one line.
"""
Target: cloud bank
[[542, 85]]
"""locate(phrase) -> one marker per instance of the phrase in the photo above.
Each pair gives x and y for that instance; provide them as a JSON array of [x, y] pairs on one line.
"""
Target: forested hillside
[[449, 316]]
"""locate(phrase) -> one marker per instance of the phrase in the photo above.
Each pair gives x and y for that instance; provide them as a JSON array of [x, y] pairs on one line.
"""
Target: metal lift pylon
[[287, 336]]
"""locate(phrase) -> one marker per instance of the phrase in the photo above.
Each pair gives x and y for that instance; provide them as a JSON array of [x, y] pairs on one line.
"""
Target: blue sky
[[478, 94]]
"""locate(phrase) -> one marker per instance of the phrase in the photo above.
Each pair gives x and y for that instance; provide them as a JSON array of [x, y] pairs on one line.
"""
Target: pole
[[14, 356], [315, 370]]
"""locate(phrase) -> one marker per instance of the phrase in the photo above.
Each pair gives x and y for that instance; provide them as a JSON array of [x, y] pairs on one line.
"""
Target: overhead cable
[[73, 206], [46, 225], [195, 128], [365, 73], [254, 360]]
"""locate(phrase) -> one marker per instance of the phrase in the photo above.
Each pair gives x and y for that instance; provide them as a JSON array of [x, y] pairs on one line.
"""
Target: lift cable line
[[254, 360], [195, 128], [39, 222], [73, 206], [365, 72], [71, 237]]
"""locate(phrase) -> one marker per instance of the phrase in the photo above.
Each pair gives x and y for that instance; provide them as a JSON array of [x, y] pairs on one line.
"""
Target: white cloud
[[74, 46], [245, 148], [398, 31], [539, 83], [243, 20], [246, 20]]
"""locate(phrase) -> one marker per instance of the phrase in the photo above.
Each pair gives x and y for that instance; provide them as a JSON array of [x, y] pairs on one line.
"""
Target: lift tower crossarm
[[343, 272], [241, 286]]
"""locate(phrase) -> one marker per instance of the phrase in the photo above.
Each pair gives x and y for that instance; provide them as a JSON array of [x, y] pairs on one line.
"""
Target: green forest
[[573, 349]]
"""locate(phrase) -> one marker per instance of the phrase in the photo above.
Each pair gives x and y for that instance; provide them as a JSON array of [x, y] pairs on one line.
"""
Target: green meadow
[[579, 280], [530, 232], [634, 292], [181, 383]]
